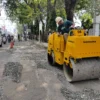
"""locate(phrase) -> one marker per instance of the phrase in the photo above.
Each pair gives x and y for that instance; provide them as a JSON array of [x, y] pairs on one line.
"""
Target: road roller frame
[[78, 47]]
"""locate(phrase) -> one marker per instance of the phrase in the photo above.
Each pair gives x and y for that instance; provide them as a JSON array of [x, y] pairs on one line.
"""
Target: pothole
[[13, 70]]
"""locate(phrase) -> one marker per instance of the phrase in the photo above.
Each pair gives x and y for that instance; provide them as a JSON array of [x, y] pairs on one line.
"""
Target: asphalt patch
[[13, 70]]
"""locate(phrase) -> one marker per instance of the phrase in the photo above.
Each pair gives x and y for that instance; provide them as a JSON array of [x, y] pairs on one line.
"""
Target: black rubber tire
[[51, 59], [4, 42], [0, 45]]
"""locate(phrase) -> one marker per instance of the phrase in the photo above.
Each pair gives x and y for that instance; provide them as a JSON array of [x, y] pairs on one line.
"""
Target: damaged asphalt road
[[26, 75]]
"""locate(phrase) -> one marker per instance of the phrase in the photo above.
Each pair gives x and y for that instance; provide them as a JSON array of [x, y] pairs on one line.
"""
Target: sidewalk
[[43, 44]]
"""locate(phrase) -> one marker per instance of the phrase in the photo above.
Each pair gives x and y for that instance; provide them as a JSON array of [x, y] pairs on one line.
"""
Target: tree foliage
[[82, 5], [19, 28], [86, 20], [18, 11], [25, 11], [90, 6]]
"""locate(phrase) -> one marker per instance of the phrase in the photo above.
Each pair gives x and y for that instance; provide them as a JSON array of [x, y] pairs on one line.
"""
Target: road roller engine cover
[[79, 55]]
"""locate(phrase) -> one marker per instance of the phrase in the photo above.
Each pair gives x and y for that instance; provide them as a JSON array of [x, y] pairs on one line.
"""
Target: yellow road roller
[[80, 55]]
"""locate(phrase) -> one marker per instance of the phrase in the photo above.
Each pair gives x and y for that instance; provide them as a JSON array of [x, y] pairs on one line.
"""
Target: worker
[[12, 42], [63, 27]]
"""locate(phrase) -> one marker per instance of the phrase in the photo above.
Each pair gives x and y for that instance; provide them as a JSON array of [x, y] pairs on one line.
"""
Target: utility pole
[[96, 20], [94, 16]]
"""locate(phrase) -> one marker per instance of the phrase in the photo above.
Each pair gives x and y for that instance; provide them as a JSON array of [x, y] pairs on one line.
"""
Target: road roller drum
[[82, 70]]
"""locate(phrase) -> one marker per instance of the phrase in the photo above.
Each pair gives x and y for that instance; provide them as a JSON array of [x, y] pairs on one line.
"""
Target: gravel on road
[[38, 54], [13, 70]]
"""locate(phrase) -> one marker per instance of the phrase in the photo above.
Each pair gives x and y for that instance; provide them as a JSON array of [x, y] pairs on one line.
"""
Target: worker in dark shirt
[[63, 27]]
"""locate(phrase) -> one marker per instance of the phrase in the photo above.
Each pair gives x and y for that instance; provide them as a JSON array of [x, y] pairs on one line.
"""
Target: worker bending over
[[63, 27]]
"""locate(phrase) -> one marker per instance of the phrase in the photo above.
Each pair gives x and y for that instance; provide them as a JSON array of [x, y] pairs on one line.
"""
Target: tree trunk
[[69, 8], [43, 31], [51, 15], [48, 14]]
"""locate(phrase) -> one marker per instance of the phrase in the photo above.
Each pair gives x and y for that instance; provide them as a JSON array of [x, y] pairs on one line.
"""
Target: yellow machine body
[[77, 46], [56, 45]]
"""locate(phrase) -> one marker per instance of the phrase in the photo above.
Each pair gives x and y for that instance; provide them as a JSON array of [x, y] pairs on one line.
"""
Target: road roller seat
[[77, 32]]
